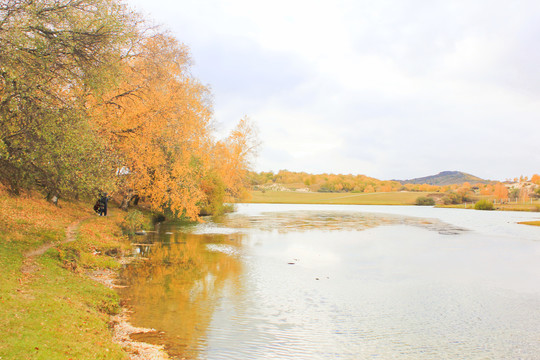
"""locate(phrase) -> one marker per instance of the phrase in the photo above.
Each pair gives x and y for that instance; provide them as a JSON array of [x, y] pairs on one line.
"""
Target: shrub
[[133, 221], [325, 189], [452, 198], [425, 201], [483, 205]]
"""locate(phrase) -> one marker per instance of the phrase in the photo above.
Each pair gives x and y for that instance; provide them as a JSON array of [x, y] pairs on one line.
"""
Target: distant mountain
[[446, 178]]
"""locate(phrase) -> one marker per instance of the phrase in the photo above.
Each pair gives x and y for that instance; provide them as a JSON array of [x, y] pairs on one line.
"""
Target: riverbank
[[530, 207], [51, 306]]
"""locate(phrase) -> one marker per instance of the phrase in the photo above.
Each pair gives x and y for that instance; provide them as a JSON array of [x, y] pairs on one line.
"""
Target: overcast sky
[[393, 89]]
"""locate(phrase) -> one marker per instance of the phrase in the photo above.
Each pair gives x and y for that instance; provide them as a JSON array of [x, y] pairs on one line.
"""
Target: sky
[[392, 89]]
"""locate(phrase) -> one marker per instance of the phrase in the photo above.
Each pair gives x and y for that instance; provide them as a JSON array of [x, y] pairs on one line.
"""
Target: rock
[[112, 252]]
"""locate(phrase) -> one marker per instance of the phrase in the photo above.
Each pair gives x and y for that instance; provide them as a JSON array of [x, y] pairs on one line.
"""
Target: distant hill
[[446, 178]]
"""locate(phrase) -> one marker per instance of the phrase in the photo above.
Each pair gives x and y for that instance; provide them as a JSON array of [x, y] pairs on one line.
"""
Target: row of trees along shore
[[519, 188], [93, 97]]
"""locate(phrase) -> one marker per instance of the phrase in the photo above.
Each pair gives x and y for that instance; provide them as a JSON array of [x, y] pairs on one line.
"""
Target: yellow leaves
[[231, 157], [369, 189], [118, 95], [486, 190], [500, 191], [158, 121]]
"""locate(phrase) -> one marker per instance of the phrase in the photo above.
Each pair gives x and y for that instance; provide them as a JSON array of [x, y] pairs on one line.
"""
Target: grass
[[99, 242], [518, 207], [286, 197], [502, 207], [58, 315], [55, 311], [388, 198]]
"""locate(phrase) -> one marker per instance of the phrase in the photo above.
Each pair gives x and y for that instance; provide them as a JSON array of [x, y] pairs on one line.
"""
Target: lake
[[341, 282]]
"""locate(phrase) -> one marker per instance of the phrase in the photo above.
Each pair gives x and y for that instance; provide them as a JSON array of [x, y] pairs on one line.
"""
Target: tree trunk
[[126, 200]]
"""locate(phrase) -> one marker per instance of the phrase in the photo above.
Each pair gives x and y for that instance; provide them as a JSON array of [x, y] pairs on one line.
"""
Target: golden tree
[[158, 123], [231, 158], [500, 191]]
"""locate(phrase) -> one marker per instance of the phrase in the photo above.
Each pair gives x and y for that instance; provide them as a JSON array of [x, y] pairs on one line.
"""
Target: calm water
[[341, 282]]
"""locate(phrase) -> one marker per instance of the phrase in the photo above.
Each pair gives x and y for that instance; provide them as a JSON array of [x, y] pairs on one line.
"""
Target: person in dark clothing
[[104, 202], [97, 205]]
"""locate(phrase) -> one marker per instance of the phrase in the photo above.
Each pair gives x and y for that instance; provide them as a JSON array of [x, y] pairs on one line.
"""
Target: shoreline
[[122, 328], [54, 260], [120, 325]]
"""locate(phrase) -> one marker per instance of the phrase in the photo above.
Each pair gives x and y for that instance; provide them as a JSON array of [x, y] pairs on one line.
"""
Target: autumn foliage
[[522, 190], [92, 98]]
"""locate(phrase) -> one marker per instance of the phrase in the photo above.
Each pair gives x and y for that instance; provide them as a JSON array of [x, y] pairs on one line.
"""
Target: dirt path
[[29, 264], [71, 232], [121, 326]]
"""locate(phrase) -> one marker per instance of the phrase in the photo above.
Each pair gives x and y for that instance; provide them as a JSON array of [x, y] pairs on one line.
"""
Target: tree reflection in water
[[301, 221], [177, 288]]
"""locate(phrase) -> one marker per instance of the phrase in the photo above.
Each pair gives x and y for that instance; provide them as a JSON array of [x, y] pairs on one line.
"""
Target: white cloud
[[392, 89]]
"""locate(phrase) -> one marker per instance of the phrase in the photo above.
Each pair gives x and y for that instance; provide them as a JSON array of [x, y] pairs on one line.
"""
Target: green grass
[[484, 204], [58, 315], [98, 240], [52, 312], [519, 207], [286, 197]]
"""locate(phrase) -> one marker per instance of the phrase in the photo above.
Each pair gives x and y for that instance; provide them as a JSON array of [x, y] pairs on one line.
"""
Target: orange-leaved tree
[[158, 123], [500, 191], [231, 160]]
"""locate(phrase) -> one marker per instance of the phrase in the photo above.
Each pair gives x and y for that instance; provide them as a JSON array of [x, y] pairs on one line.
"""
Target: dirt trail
[[29, 264], [122, 328], [71, 232]]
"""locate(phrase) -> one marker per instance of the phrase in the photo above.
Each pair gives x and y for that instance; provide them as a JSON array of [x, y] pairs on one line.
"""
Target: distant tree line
[[523, 188], [94, 98], [323, 182]]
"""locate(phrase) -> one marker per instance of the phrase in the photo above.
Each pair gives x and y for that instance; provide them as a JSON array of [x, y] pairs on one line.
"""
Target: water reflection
[[332, 284], [178, 285], [305, 220]]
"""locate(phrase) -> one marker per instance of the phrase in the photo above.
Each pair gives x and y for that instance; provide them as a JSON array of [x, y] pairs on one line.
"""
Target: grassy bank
[[502, 207], [49, 308], [286, 197]]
